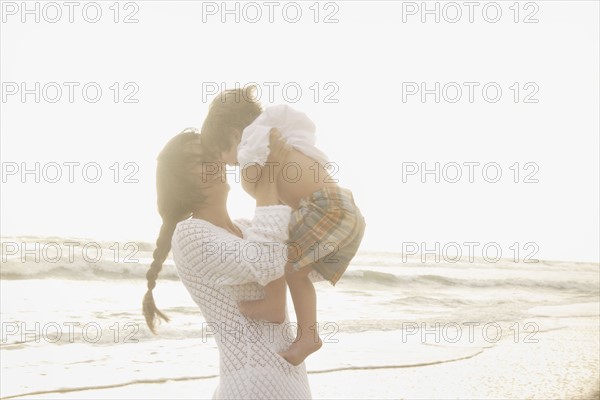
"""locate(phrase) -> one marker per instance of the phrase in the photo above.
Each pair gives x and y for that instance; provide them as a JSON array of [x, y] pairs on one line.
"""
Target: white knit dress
[[219, 269]]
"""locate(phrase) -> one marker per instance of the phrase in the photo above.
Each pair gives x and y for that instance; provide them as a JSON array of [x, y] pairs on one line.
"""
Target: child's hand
[[279, 149], [266, 187]]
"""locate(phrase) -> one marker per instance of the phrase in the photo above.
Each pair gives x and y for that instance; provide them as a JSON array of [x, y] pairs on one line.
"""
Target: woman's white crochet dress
[[219, 269]]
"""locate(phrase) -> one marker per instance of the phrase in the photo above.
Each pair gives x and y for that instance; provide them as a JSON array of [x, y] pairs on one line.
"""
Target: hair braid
[[177, 196], [163, 246]]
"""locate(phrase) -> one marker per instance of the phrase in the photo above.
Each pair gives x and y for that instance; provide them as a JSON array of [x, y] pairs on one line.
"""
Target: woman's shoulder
[[192, 229], [194, 237], [191, 223]]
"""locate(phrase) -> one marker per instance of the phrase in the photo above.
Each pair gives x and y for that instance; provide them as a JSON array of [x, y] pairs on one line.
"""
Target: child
[[326, 226]]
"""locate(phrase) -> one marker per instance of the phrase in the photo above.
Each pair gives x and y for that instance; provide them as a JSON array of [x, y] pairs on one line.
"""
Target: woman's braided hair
[[178, 194]]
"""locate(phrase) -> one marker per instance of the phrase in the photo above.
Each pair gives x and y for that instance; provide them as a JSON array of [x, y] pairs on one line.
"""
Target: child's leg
[[271, 308], [305, 303]]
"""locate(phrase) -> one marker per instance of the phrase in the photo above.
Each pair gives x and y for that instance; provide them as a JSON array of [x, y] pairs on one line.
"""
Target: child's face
[[229, 156]]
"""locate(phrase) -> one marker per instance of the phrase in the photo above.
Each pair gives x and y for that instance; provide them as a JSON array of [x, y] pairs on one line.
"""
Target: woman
[[222, 262]]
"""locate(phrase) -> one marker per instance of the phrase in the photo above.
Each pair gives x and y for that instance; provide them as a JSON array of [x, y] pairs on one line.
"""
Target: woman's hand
[[266, 187]]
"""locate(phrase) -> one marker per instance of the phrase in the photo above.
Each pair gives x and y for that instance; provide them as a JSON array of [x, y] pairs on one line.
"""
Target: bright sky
[[372, 63]]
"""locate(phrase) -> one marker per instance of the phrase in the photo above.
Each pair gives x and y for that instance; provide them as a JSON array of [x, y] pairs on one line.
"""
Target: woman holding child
[[243, 296]]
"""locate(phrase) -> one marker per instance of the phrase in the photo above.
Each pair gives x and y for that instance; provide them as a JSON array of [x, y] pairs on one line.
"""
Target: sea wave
[[361, 279], [366, 277], [31, 257]]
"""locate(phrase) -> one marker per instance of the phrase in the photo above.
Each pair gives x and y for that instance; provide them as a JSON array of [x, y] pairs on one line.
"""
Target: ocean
[[71, 319]]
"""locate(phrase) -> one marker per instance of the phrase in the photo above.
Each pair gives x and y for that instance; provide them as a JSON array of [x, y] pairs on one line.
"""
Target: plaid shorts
[[325, 232]]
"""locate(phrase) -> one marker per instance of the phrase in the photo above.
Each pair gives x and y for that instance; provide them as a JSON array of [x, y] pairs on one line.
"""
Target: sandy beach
[[562, 365], [537, 333]]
